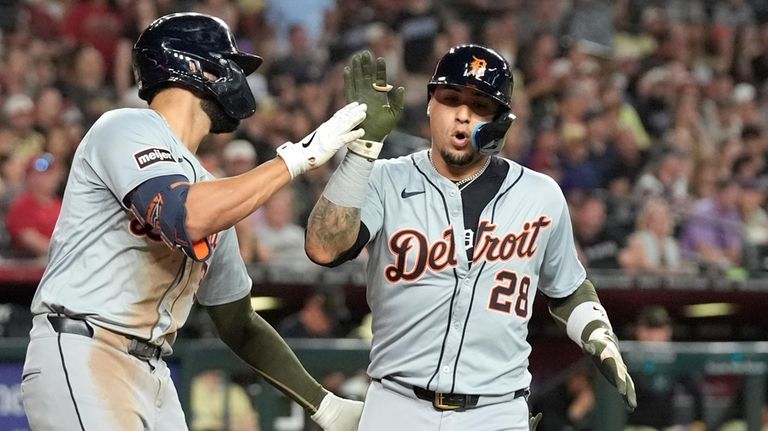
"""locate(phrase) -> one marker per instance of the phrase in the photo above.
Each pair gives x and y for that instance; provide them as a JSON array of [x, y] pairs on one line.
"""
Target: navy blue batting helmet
[[475, 67], [177, 49]]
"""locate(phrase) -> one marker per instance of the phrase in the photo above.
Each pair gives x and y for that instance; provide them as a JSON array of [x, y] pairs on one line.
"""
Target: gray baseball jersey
[[103, 264], [441, 321]]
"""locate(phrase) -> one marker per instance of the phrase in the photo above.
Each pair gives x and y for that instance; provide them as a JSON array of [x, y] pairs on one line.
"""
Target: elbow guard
[[160, 203]]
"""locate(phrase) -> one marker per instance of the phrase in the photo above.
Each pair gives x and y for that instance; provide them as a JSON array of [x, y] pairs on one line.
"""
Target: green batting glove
[[601, 343], [533, 422], [365, 81]]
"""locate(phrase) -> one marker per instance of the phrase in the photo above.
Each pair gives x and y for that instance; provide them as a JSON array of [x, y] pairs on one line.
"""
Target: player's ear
[[428, 109]]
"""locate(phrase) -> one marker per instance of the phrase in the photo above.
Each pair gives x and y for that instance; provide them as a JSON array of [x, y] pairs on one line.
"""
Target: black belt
[[68, 325], [450, 401]]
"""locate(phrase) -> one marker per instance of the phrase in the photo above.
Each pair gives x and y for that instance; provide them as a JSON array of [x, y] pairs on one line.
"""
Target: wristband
[[349, 184], [581, 316], [294, 158], [367, 149], [328, 411]]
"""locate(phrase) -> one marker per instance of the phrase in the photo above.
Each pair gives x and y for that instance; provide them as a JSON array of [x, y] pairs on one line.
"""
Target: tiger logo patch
[[477, 67]]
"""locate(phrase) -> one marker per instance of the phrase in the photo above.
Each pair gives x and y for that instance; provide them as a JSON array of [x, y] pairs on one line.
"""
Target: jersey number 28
[[504, 294]]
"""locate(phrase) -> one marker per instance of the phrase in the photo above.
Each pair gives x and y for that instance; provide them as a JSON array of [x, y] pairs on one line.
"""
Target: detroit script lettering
[[436, 257]]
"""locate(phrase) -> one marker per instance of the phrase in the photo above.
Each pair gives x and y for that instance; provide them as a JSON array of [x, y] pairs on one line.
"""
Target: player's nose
[[463, 113]]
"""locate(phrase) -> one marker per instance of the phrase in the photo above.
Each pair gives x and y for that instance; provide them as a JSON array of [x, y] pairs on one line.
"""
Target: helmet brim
[[248, 62]]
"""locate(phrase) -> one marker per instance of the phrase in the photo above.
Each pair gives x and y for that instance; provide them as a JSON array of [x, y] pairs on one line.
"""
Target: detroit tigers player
[[459, 240], [145, 230]]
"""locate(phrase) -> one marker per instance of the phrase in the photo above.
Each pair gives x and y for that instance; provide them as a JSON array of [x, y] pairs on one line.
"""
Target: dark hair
[[751, 131], [653, 316]]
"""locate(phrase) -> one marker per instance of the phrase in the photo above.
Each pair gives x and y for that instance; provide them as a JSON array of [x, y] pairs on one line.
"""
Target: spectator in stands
[[86, 84], [662, 400], [598, 245], [281, 15], [419, 25], [281, 236], [544, 154], [95, 23], [712, 235], [139, 14], [318, 318], [629, 163], [666, 179], [32, 216], [652, 247], [755, 223], [239, 156], [219, 404], [302, 62], [705, 177], [19, 114], [656, 94], [571, 404], [49, 109]]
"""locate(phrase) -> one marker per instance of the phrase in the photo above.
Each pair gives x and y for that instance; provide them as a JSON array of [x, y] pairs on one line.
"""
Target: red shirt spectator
[[95, 23], [32, 216]]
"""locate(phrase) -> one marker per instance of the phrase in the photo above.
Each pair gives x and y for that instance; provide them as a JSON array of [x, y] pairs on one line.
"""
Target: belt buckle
[[143, 350], [439, 403]]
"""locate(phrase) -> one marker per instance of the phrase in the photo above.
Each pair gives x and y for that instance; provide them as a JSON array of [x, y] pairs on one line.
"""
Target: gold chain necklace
[[463, 183]]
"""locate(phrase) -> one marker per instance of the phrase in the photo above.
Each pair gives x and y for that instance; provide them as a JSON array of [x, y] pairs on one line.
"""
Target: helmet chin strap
[[488, 138]]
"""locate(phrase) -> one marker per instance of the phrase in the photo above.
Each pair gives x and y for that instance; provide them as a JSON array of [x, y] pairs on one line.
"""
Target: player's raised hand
[[319, 146], [365, 81], [603, 346], [338, 414]]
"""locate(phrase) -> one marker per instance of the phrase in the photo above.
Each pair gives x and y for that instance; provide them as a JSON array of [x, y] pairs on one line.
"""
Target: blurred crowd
[[650, 114]]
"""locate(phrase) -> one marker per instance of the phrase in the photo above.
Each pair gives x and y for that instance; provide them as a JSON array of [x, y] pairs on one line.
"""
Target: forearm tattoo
[[333, 226]]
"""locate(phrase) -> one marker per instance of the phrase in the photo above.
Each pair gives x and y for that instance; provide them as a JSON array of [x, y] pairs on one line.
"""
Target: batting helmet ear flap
[[488, 138]]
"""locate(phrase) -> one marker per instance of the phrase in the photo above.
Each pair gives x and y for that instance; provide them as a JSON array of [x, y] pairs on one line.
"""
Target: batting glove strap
[[319, 146], [338, 414], [368, 149]]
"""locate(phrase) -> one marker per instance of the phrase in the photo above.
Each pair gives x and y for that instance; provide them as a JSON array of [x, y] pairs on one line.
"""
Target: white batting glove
[[319, 146], [603, 346], [338, 414]]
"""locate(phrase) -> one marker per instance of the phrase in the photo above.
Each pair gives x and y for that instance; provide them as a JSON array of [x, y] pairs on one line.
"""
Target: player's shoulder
[[125, 126], [537, 179], [122, 121], [534, 183], [126, 117]]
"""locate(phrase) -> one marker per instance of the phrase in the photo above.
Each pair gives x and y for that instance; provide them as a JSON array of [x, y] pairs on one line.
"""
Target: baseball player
[[459, 240], [144, 231]]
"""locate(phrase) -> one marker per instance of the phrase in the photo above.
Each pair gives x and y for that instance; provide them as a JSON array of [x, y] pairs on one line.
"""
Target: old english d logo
[[477, 67]]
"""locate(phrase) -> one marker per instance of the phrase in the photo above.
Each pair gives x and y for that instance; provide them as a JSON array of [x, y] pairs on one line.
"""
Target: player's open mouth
[[460, 139]]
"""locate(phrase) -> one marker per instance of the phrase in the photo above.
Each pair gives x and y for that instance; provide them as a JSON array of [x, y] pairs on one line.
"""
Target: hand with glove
[[338, 414], [365, 81], [601, 343], [319, 146]]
